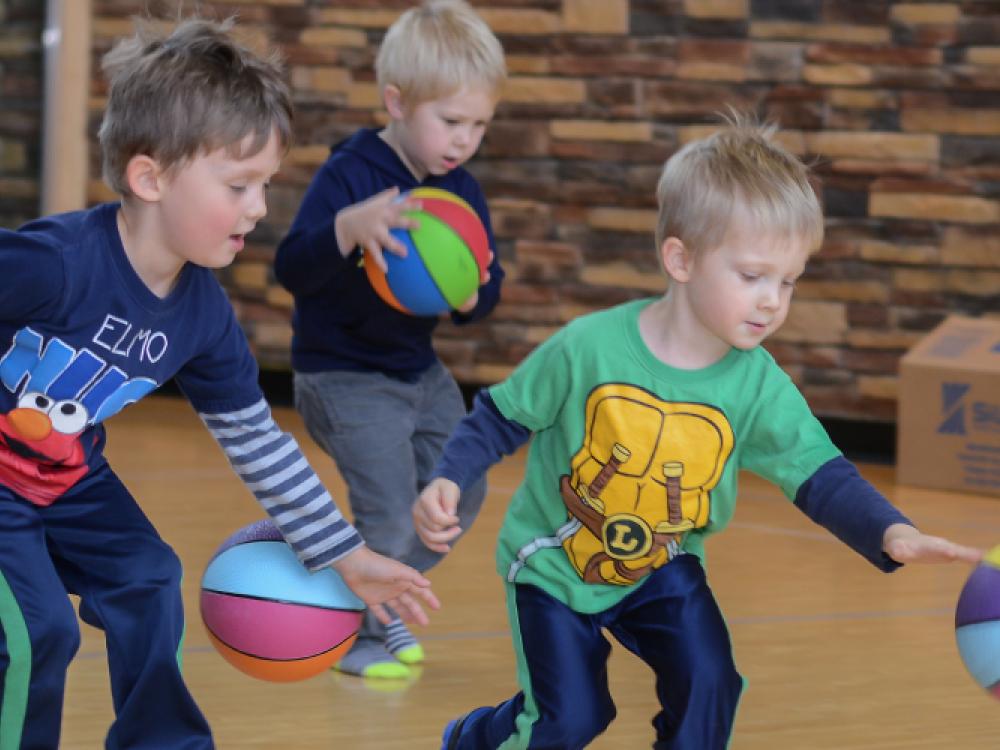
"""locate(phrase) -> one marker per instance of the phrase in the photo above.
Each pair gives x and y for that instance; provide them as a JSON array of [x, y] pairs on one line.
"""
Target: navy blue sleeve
[[308, 256], [489, 293], [32, 272], [841, 501], [480, 440], [223, 376]]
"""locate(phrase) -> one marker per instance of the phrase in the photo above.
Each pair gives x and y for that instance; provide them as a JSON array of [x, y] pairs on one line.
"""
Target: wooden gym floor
[[837, 654]]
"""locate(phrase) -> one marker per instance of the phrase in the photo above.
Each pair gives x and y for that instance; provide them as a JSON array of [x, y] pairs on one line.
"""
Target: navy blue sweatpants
[[671, 622], [94, 542]]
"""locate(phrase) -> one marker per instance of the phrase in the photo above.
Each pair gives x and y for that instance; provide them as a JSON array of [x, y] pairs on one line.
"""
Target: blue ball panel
[[979, 646], [270, 570], [980, 597], [410, 281]]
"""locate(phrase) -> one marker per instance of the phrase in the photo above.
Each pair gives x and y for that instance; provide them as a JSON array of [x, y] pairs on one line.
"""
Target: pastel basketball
[[268, 616], [977, 623], [446, 259]]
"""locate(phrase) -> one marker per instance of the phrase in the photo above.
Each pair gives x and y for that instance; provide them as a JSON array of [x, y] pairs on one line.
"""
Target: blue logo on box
[[953, 408]]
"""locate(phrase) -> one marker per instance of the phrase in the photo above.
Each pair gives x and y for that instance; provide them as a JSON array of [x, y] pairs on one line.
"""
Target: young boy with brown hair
[[640, 419], [368, 383], [97, 309]]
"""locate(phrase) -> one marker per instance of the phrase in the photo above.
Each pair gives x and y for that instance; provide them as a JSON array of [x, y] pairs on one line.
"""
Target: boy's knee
[[56, 635], [574, 726], [156, 574]]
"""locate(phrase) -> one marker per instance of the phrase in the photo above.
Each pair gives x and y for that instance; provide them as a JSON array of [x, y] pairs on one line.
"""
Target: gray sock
[[369, 658]]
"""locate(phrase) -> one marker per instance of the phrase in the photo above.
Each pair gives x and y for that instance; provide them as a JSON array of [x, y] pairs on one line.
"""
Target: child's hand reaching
[[435, 514], [369, 225], [905, 544], [381, 580]]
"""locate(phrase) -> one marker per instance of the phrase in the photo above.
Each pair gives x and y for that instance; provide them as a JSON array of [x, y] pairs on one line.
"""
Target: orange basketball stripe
[[380, 285], [282, 671]]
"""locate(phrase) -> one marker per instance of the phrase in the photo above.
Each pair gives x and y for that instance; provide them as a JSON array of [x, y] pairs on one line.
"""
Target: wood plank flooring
[[837, 654]]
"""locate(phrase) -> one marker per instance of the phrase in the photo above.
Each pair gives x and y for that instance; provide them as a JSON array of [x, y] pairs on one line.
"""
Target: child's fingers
[[389, 195], [380, 613], [437, 539], [402, 218], [966, 554], [439, 515], [408, 609], [394, 246], [375, 251], [485, 278]]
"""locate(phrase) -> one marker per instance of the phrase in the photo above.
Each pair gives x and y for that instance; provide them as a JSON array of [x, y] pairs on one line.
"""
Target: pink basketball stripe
[[274, 630]]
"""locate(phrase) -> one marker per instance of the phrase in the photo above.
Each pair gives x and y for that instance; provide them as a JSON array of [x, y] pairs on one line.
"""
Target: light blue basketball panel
[[410, 281], [270, 570], [979, 646]]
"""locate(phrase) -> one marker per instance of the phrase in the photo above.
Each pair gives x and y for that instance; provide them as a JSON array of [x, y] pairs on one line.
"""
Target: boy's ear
[[143, 175], [392, 98], [676, 259]]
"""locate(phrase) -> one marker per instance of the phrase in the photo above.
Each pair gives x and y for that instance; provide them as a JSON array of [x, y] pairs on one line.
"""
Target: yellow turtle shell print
[[640, 481]]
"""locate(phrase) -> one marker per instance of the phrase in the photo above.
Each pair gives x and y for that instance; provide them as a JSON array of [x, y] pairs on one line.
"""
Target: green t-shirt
[[632, 460]]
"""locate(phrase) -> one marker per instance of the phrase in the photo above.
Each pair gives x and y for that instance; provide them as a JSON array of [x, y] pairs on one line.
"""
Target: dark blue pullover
[[340, 323]]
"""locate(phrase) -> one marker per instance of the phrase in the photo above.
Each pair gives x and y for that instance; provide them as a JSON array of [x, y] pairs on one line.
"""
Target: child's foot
[[368, 658], [449, 740], [400, 643]]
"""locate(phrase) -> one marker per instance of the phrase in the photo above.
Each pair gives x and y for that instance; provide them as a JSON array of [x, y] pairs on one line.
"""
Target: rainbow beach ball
[[977, 623], [268, 616], [446, 256]]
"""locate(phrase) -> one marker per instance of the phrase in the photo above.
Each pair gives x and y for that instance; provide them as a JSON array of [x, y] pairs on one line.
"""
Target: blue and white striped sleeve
[[272, 466]]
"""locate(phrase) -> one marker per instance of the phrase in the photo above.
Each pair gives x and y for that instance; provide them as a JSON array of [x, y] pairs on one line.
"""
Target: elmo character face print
[[56, 393]]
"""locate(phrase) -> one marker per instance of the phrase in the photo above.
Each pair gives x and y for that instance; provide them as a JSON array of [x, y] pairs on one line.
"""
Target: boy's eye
[[749, 276], [790, 283], [238, 188]]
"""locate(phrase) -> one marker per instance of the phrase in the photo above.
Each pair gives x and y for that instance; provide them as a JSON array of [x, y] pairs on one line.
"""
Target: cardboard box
[[949, 408]]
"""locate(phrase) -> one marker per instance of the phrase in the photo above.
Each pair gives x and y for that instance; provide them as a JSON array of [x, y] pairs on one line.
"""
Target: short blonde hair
[[194, 90], [738, 174], [436, 49]]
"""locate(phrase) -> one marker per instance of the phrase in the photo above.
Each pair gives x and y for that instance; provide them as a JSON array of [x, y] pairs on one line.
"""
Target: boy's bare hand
[[369, 225], [435, 514], [380, 580], [905, 544]]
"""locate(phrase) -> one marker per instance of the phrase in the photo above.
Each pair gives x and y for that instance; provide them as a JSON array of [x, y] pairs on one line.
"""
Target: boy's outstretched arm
[[838, 498], [272, 466], [381, 581], [904, 544], [480, 440]]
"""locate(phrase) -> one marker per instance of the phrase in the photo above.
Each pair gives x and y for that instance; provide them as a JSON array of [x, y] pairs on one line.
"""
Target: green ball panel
[[449, 262]]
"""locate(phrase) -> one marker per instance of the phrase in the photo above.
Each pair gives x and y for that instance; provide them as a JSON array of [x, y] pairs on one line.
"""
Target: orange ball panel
[[281, 671], [380, 285]]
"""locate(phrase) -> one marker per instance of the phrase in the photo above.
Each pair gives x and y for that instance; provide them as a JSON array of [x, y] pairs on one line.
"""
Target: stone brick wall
[[896, 103], [21, 85]]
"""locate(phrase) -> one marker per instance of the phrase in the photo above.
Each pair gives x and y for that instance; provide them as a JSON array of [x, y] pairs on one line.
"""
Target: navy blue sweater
[[340, 323]]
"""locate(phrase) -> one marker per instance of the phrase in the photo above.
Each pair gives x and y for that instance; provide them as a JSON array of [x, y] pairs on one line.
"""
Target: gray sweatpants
[[386, 436]]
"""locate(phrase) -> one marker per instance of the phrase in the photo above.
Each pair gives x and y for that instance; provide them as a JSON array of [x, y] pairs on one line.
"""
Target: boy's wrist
[[340, 236]]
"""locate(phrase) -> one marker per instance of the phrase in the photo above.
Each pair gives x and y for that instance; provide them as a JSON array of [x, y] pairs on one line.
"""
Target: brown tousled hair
[[194, 90]]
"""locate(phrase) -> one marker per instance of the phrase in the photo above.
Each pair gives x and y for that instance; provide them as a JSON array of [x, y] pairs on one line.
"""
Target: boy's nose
[[769, 298], [258, 208]]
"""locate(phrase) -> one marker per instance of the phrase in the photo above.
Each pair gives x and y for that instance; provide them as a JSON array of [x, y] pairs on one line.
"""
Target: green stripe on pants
[[18, 677]]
